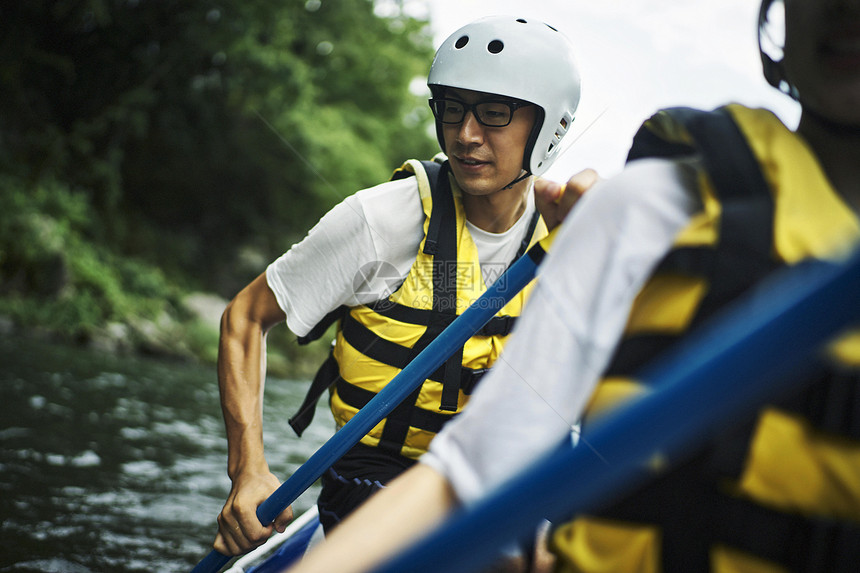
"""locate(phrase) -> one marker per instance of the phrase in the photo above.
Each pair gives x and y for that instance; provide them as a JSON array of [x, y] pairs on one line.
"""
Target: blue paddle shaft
[[212, 563], [730, 368], [517, 276]]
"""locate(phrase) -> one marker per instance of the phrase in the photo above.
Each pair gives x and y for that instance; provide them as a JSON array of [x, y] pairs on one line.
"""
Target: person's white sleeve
[[538, 388], [355, 254]]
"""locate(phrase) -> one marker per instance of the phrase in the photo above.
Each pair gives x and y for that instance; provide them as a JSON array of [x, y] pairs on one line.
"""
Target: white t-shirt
[[536, 392], [364, 247]]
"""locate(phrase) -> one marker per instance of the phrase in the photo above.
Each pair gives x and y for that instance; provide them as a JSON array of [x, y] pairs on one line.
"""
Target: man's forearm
[[391, 520], [240, 380]]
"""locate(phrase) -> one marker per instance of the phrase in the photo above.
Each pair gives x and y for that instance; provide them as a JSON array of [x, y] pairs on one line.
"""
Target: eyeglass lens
[[489, 113]]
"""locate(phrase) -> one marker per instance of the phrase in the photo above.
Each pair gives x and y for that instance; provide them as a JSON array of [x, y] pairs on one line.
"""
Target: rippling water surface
[[117, 464]]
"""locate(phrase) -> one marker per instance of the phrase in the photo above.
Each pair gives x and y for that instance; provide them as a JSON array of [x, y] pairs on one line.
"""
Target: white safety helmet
[[518, 58]]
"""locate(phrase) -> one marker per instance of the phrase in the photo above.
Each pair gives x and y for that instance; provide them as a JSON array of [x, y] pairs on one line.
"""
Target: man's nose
[[471, 131]]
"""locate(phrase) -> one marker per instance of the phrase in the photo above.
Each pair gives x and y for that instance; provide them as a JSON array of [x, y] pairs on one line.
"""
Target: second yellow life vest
[[778, 492]]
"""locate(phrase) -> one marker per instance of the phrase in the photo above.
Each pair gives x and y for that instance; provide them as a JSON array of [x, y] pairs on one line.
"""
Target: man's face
[[485, 159], [822, 56]]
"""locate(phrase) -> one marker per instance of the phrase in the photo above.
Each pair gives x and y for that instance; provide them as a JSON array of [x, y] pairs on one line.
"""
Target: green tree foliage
[[198, 130], [53, 277]]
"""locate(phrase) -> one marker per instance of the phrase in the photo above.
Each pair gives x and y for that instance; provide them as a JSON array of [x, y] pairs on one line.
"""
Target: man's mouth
[[471, 161]]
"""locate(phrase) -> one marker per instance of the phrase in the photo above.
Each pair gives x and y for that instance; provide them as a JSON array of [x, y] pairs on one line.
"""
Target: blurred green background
[[155, 155]]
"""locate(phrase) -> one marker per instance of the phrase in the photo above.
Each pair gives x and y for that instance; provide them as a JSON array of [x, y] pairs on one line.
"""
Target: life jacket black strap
[[441, 243], [497, 326], [327, 375], [322, 326], [420, 418], [431, 168], [745, 247], [832, 402], [648, 144], [689, 261], [829, 401], [445, 262], [743, 253], [527, 238], [797, 543], [365, 341], [438, 177], [635, 351], [450, 399]]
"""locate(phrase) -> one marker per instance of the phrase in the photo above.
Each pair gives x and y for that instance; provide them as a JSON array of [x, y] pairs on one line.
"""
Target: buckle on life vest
[[470, 379], [498, 326]]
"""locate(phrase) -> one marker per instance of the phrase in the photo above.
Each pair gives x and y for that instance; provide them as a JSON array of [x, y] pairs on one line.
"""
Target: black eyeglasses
[[492, 113]]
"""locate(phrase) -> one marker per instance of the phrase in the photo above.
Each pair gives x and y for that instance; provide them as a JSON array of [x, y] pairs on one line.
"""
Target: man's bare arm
[[241, 368], [393, 518]]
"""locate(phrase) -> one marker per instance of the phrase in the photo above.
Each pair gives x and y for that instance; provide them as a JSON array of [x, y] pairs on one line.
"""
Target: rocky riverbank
[[193, 337]]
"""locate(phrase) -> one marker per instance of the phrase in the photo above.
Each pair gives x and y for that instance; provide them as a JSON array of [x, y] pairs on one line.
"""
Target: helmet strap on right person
[[771, 25]]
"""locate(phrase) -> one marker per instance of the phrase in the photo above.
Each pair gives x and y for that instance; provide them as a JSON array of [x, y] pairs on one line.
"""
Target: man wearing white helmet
[[394, 264]]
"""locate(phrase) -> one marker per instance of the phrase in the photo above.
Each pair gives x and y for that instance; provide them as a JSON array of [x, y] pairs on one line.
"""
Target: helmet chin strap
[[524, 174]]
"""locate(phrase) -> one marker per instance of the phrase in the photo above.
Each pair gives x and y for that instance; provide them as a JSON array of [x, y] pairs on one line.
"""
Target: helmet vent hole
[[461, 42], [521, 21], [495, 46]]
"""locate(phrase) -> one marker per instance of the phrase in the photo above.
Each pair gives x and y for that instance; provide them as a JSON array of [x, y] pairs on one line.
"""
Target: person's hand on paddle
[[239, 529], [554, 200]]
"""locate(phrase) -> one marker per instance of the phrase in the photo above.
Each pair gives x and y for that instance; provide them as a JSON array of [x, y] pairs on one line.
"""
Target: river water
[[118, 464]]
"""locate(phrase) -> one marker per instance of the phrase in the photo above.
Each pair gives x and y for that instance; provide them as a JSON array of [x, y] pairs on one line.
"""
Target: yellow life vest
[[778, 492], [375, 341]]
